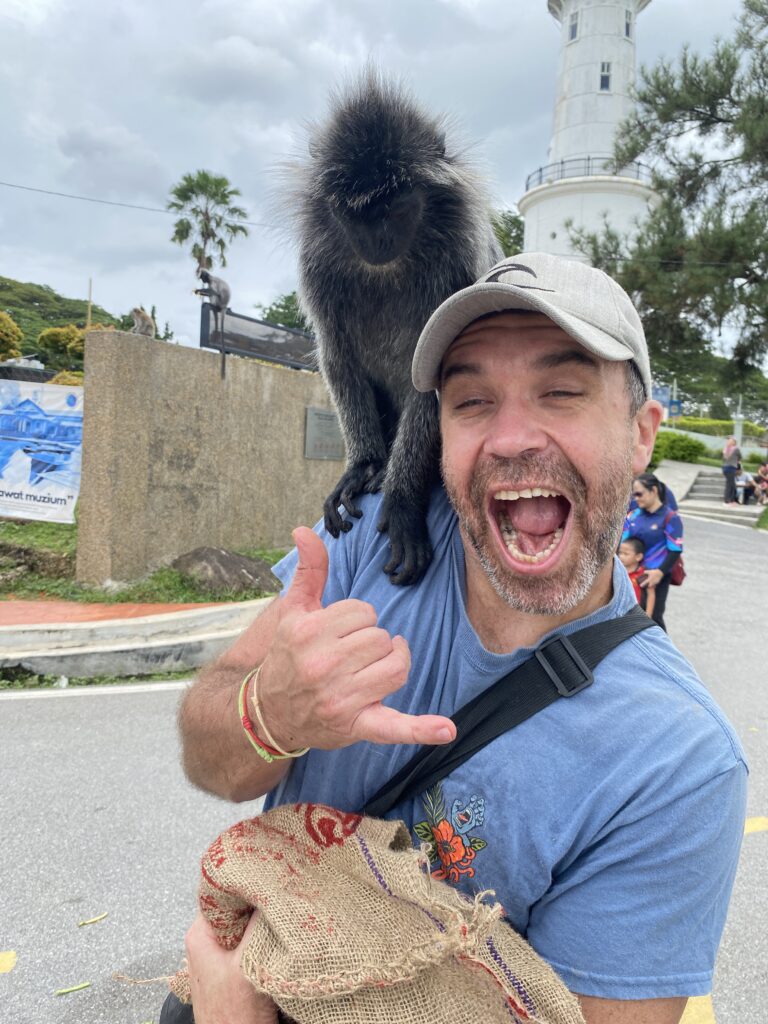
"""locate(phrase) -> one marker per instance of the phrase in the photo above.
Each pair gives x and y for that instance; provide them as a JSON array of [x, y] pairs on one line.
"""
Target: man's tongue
[[534, 521]]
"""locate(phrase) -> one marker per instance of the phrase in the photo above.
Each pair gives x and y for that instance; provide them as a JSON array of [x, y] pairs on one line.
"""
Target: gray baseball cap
[[588, 304]]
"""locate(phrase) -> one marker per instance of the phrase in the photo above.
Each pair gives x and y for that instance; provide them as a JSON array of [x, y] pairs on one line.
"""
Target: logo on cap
[[506, 268]]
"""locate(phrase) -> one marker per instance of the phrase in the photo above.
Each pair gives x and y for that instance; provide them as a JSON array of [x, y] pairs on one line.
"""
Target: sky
[[116, 101]]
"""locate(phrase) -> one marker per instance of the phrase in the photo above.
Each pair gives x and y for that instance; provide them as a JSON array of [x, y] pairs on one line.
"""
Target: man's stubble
[[597, 510]]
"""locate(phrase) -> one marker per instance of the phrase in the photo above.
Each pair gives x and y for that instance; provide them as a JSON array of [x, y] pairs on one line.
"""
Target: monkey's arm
[[412, 471], [365, 445]]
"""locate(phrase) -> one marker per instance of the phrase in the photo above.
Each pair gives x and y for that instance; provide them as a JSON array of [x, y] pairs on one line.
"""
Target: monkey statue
[[390, 222], [218, 293], [142, 322]]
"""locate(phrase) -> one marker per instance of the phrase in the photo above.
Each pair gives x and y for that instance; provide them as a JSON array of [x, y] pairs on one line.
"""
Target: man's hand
[[328, 669], [221, 994]]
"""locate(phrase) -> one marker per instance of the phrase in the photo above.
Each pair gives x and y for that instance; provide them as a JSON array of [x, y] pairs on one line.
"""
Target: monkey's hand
[[359, 478], [408, 540]]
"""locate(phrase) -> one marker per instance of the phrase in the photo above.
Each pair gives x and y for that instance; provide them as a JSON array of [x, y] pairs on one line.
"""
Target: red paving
[[32, 613]]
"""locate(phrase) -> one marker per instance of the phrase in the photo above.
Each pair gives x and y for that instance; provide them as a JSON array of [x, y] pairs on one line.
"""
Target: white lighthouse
[[596, 74]]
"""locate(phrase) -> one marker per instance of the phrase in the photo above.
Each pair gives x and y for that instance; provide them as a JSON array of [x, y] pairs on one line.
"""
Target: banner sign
[[41, 436]]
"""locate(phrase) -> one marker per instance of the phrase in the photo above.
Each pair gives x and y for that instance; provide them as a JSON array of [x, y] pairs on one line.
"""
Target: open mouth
[[531, 522]]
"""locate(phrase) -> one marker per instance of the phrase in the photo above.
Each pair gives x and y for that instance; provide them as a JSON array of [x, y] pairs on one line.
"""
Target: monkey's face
[[382, 231]]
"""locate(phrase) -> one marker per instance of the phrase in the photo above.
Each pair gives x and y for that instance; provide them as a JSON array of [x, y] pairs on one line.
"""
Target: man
[[608, 824]]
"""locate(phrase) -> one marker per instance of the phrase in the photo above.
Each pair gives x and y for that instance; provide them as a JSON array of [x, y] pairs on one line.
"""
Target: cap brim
[[466, 306]]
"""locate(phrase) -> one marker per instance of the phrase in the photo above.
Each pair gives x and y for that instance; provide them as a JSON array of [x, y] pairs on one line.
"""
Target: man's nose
[[515, 429]]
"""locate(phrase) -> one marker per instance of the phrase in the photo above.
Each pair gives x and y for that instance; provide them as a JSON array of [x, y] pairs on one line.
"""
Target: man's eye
[[469, 403], [562, 393]]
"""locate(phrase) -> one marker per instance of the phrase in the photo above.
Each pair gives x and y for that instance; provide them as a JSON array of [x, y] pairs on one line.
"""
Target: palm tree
[[209, 218]]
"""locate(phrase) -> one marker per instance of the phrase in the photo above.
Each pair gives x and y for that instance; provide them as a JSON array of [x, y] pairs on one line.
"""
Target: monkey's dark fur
[[391, 223]]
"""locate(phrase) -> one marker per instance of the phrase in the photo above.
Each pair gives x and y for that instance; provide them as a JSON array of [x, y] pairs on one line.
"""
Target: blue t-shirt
[[660, 531], [608, 824]]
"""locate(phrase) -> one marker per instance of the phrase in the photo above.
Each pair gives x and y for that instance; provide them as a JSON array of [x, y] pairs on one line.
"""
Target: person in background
[[669, 499], [746, 485], [631, 555], [731, 464], [762, 484], [661, 531]]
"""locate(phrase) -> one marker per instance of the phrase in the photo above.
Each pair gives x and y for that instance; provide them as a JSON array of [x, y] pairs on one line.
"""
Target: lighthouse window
[[628, 23], [605, 76], [573, 27]]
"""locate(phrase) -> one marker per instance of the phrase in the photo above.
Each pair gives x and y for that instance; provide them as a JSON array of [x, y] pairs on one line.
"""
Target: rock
[[220, 570]]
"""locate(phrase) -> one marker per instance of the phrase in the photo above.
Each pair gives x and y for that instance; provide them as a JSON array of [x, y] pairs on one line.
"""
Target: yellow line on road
[[699, 1011], [7, 961], [756, 825]]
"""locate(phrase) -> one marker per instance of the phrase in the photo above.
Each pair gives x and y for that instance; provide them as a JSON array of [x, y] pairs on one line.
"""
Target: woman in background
[[731, 464], [661, 531]]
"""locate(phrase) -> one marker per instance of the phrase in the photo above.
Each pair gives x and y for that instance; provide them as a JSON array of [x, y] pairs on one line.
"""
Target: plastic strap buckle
[[579, 675]]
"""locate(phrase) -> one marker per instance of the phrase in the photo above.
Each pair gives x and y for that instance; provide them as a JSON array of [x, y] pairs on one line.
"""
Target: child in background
[[631, 554]]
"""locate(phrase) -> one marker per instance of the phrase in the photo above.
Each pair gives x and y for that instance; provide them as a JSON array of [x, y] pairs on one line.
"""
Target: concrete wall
[[174, 457]]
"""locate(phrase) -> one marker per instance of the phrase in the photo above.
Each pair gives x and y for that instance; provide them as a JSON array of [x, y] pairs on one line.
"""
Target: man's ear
[[645, 426]]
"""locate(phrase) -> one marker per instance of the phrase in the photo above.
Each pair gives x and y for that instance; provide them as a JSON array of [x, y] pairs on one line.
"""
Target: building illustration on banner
[[579, 185], [41, 434]]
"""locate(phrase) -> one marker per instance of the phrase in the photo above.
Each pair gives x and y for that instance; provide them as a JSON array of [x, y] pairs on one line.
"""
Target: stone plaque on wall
[[322, 435]]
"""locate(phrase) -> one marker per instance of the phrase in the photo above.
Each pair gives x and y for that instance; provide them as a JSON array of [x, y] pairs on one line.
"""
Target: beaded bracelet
[[267, 751], [242, 706], [262, 727]]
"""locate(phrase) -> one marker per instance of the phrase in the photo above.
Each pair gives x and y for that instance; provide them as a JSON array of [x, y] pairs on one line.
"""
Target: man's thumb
[[306, 589]]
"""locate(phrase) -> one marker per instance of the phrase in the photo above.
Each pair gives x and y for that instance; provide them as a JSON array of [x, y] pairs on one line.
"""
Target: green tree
[[210, 220], [698, 266], [62, 347], [35, 307], [510, 230], [284, 311], [10, 337]]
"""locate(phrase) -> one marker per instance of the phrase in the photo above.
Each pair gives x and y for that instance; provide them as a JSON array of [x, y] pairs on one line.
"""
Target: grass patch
[[59, 537], [762, 522], [21, 679], [165, 586]]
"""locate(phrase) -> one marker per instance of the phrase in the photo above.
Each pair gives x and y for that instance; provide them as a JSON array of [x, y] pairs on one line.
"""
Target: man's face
[[538, 456]]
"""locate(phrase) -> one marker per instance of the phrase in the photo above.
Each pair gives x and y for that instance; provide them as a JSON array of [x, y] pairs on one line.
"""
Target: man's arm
[[325, 672], [632, 1011]]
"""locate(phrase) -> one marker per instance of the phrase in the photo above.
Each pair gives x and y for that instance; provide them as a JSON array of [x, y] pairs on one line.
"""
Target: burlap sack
[[351, 928]]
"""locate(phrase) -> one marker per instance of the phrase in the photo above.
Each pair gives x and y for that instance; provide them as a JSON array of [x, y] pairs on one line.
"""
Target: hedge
[[720, 428]]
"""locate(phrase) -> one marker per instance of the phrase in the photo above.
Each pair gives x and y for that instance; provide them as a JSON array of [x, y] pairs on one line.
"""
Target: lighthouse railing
[[584, 167]]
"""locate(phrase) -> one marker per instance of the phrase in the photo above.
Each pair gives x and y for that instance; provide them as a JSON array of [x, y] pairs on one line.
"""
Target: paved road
[[95, 816]]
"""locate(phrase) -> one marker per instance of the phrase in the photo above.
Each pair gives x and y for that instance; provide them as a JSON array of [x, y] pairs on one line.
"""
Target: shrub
[[677, 447], [70, 378]]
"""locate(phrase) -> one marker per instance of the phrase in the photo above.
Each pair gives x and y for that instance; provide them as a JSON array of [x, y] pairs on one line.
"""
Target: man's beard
[[597, 512]]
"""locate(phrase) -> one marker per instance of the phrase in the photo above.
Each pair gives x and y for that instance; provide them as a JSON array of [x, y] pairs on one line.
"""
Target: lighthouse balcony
[[585, 167]]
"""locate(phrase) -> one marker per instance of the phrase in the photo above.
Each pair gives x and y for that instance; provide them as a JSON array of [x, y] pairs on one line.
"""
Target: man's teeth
[[527, 492], [509, 533]]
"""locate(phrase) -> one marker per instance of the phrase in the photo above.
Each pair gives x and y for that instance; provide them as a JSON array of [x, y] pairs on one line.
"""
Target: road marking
[[699, 1011], [91, 691], [7, 961], [755, 825]]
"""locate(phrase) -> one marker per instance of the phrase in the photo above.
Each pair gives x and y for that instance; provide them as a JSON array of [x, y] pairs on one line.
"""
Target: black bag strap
[[560, 667]]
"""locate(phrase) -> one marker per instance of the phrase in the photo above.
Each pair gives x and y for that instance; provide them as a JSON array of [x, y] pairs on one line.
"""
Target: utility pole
[[88, 314]]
